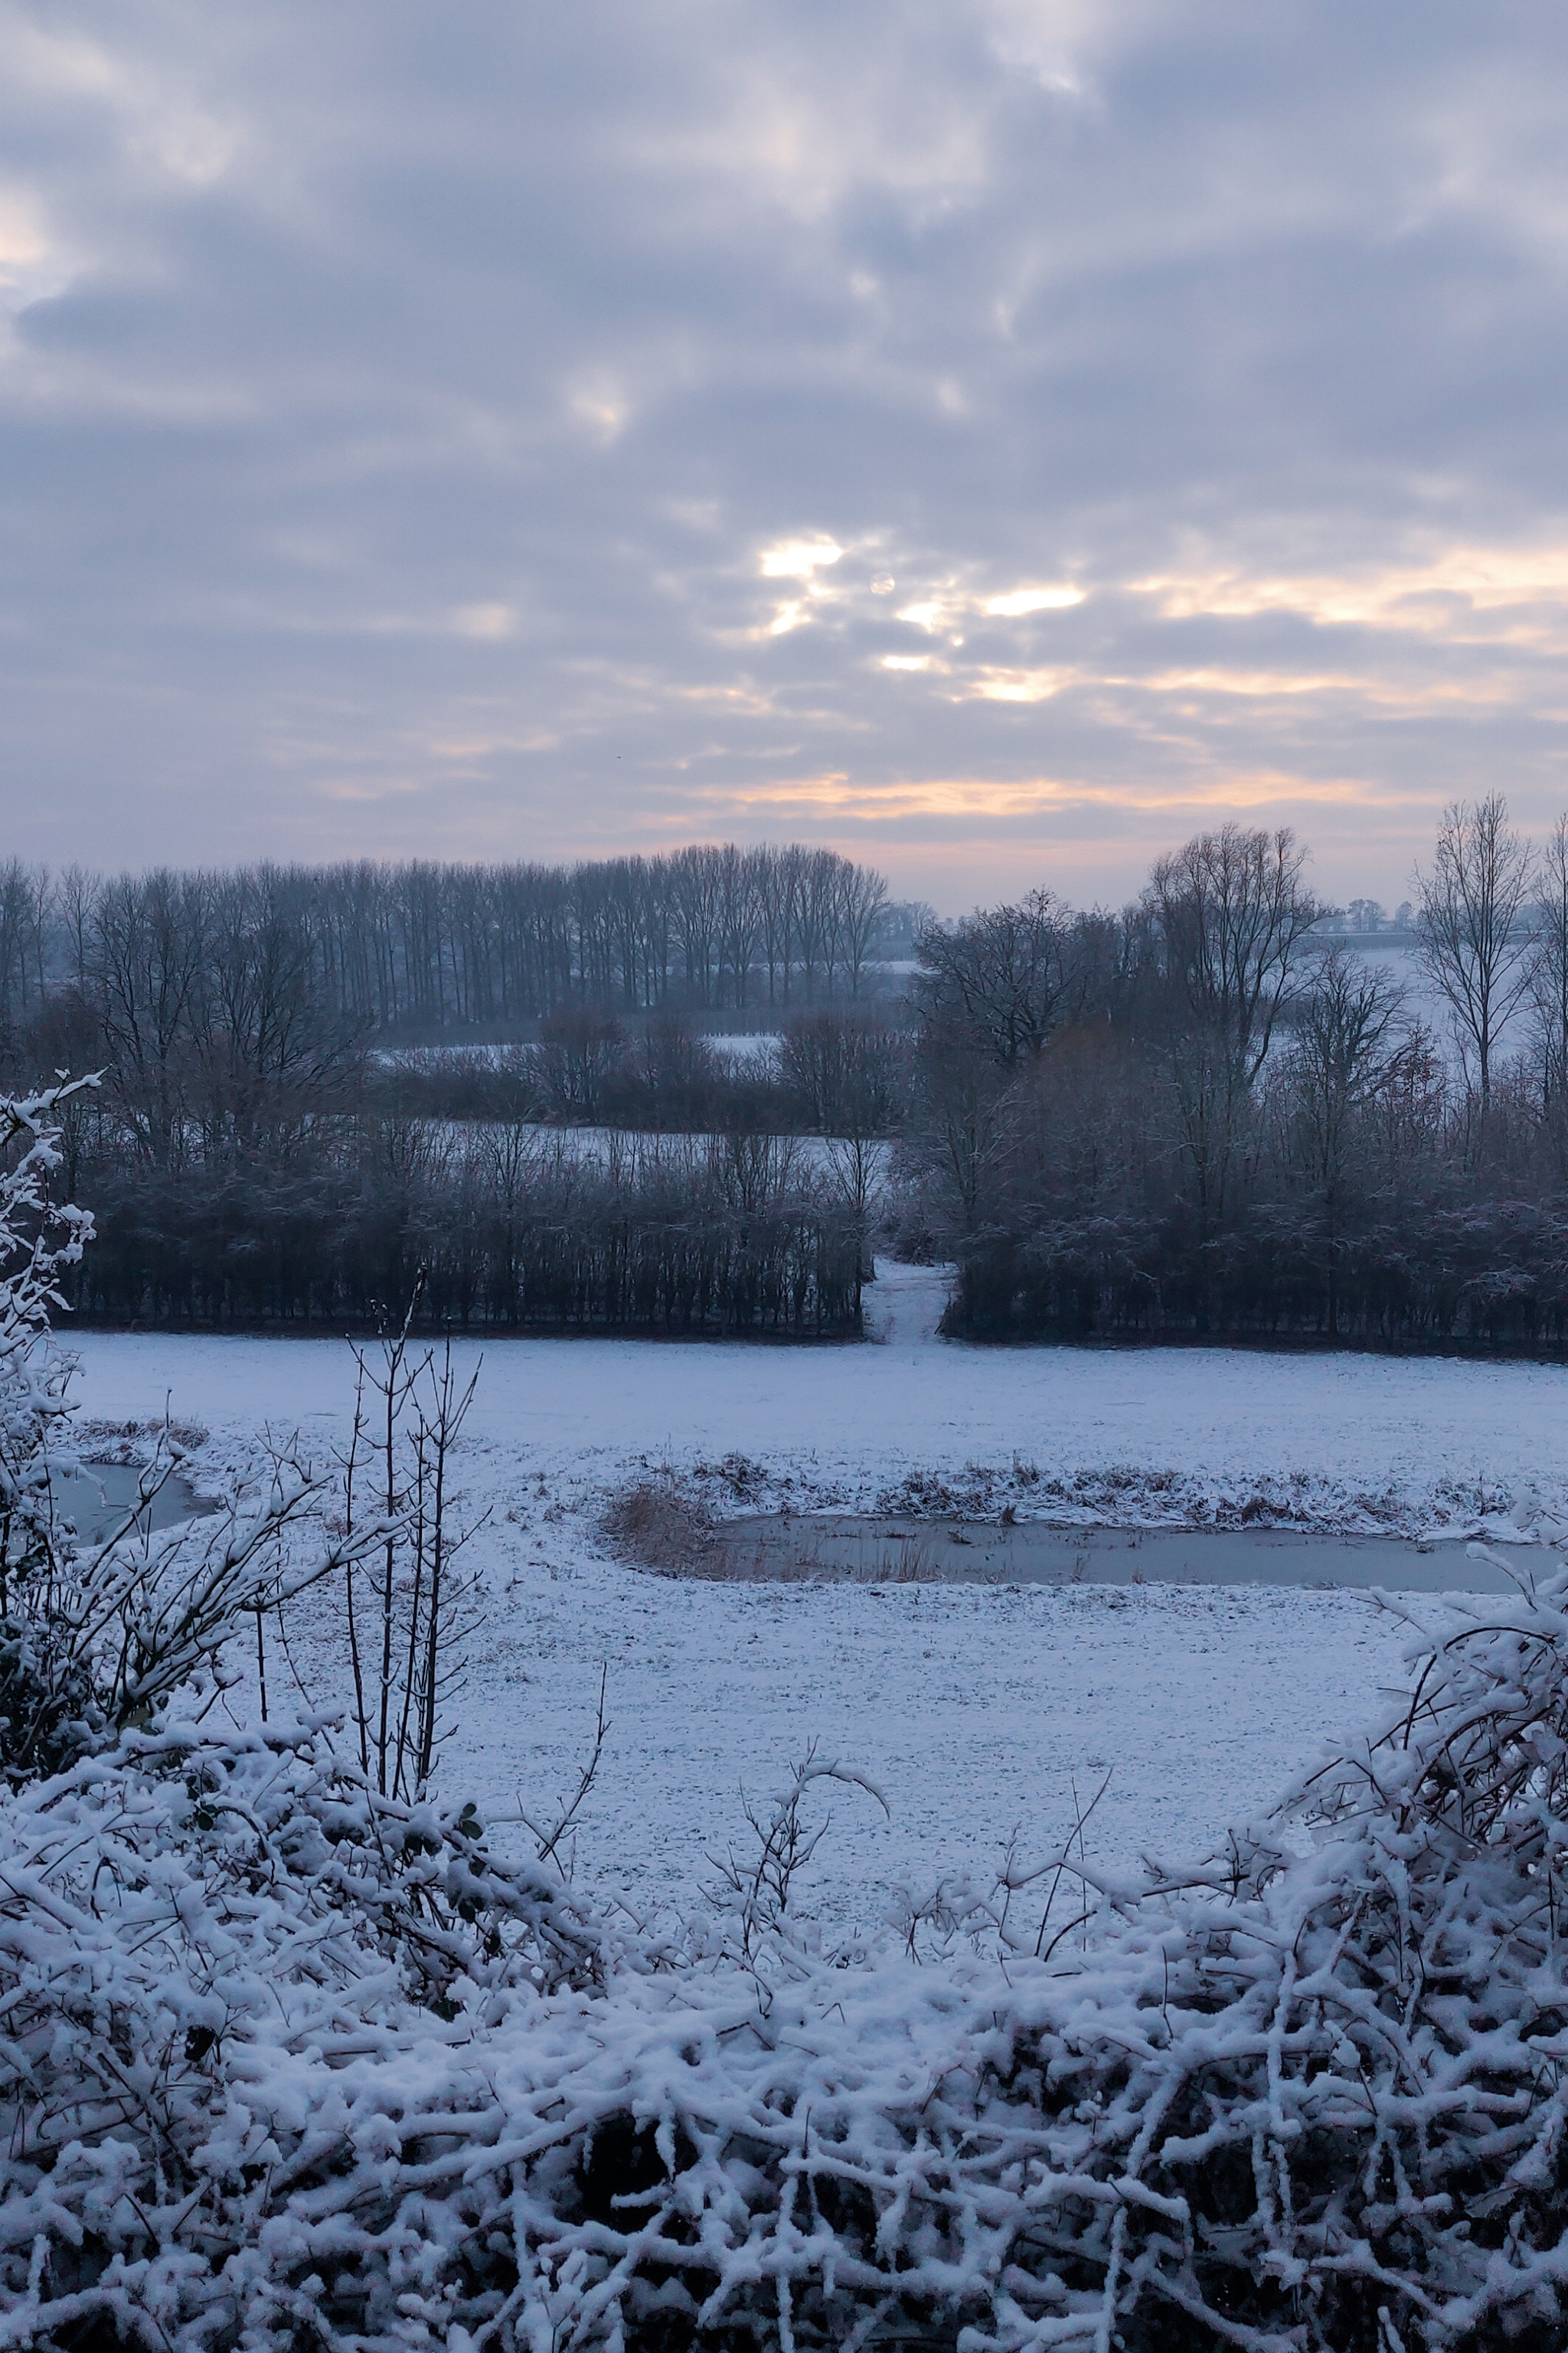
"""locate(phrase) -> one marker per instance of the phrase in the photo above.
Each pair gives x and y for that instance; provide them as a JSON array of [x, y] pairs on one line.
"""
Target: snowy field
[[630, 1147], [977, 1710], [737, 1046], [633, 1149], [727, 1045]]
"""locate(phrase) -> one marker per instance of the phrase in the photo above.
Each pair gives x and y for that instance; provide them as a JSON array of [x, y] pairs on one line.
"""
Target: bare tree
[[148, 956], [1002, 979], [863, 906], [75, 896], [268, 1054], [1471, 935], [1231, 912], [408, 1414], [1548, 968], [581, 1055], [961, 1136], [25, 899], [1351, 1042]]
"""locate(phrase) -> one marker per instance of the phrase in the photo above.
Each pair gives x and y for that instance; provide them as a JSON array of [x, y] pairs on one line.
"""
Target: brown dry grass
[[659, 1524]]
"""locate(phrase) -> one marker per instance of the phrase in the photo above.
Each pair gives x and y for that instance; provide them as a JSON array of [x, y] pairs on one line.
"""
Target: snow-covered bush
[[1314, 2102], [97, 1637], [197, 1937], [285, 2063], [44, 1691], [263, 2087]]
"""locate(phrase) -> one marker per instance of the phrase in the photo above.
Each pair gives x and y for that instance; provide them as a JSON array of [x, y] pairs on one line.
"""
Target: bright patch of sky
[[994, 438]]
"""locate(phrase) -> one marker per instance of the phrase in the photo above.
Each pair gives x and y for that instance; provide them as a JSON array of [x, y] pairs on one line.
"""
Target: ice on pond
[[100, 1499], [855, 1548]]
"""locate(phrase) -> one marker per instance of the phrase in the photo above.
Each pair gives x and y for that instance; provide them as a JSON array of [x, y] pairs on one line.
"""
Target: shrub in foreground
[[283, 2068]]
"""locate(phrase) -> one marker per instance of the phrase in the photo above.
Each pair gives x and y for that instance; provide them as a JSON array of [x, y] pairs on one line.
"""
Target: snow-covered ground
[[729, 1045], [636, 1147], [631, 1146], [976, 1709], [743, 1045], [492, 1055]]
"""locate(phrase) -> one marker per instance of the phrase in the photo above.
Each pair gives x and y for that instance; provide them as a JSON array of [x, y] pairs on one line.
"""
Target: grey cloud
[[402, 400]]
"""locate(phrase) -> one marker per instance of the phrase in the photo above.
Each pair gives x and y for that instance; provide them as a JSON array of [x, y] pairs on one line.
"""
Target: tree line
[[256, 1157], [1199, 1114], [496, 1227], [318, 1186], [1202, 1116], [425, 949]]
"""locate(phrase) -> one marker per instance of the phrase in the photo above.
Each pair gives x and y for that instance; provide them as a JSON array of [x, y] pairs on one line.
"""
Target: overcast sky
[[996, 438]]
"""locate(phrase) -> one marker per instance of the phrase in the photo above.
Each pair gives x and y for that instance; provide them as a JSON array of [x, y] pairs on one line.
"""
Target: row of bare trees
[[277, 958], [1201, 1115], [245, 1171]]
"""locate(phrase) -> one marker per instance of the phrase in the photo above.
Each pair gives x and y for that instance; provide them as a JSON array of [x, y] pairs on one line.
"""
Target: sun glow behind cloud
[[1019, 602], [800, 559], [986, 801], [1428, 598], [1016, 685], [1497, 602]]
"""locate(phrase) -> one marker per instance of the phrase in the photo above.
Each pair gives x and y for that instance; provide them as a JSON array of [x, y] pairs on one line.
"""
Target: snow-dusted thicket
[[284, 2063], [96, 1637]]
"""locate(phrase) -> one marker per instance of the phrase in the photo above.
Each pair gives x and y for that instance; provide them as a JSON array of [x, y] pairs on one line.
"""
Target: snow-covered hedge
[[285, 2063]]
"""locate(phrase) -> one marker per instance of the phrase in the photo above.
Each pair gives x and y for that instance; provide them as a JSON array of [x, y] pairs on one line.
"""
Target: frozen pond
[[99, 1498], [856, 1550]]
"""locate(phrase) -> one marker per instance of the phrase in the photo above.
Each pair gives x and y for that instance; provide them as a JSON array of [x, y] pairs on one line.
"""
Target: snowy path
[[904, 1306]]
